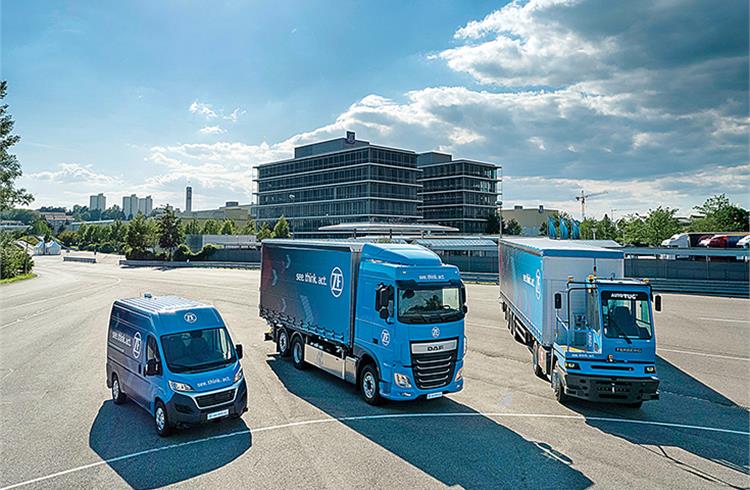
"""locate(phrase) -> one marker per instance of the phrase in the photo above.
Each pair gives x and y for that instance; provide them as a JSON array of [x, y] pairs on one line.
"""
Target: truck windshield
[[626, 315], [198, 350], [429, 305]]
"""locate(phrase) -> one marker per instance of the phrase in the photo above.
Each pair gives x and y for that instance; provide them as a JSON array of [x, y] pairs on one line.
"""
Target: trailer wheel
[[369, 385], [298, 352], [538, 371], [557, 386], [282, 342]]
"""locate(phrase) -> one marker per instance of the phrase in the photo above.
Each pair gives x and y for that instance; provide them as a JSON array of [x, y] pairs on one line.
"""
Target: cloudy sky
[[646, 100]]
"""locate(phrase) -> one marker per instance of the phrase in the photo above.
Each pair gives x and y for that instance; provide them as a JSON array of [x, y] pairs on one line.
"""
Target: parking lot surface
[[59, 427]]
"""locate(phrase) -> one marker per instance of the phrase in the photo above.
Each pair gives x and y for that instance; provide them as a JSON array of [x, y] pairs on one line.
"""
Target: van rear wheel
[[117, 395]]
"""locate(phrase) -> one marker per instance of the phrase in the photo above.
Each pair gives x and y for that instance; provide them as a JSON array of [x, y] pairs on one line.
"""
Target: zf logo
[[190, 317], [337, 282], [137, 345]]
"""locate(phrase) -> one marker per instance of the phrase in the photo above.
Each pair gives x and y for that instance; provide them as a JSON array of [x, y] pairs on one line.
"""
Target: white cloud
[[212, 130], [202, 109], [74, 173]]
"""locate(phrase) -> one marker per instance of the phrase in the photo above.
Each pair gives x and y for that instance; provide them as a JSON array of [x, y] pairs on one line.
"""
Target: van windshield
[[429, 305], [198, 350]]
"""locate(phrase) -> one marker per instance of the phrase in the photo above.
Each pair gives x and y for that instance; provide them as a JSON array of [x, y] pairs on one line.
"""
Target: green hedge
[[14, 261], [183, 253]]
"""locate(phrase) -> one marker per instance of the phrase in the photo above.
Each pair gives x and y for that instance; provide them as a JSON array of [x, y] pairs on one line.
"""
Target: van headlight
[[459, 375], [177, 386], [238, 376], [402, 380]]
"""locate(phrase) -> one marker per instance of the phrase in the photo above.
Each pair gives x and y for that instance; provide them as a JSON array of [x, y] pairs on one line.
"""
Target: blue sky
[[646, 100]]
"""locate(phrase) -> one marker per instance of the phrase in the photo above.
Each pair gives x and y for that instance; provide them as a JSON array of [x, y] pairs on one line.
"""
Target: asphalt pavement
[[59, 428]]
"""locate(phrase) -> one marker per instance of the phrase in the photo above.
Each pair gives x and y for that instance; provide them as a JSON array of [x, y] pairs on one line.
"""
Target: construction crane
[[583, 198]]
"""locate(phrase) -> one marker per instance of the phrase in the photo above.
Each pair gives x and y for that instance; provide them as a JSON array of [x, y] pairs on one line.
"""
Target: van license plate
[[216, 415], [430, 396]]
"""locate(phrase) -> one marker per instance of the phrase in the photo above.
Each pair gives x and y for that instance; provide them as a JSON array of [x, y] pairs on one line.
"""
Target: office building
[[530, 219], [188, 199], [97, 202], [241, 214], [132, 205], [458, 193], [344, 180]]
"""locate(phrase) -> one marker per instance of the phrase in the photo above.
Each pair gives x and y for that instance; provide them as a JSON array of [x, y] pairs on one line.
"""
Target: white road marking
[[704, 354], [723, 320], [578, 418]]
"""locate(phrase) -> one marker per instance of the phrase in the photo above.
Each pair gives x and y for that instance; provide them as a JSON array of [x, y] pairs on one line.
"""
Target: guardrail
[[87, 260], [480, 277], [734, 289], [193, 264]]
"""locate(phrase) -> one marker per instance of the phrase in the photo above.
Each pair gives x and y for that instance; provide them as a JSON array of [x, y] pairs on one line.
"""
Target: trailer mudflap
[[611, 389]]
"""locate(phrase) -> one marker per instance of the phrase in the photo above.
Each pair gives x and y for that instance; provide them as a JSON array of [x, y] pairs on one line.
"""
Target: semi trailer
[[589, 330], [386, 317]]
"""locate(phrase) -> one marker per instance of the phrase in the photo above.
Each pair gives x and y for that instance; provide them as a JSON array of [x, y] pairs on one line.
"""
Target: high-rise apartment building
[[97, 202], [132, 205]]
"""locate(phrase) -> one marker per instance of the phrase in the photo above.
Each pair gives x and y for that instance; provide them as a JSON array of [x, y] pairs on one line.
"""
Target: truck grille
[[433, 370], [215, 398]]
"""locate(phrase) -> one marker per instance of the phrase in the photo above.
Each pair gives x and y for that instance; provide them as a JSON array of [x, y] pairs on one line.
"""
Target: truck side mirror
[[558, 301], [238, 349], [384, 312], [657, 302], [152, 368]]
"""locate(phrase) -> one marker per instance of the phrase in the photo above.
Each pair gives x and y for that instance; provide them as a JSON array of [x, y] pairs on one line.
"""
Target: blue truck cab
[[590, 330], [387, 317], [174, 357]]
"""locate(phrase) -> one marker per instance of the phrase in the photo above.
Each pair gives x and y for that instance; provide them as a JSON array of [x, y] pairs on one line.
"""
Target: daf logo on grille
[[435, 332], [190, 317]]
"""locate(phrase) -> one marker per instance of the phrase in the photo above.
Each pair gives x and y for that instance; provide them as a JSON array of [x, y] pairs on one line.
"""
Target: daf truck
[[386, 317], [590, 331]]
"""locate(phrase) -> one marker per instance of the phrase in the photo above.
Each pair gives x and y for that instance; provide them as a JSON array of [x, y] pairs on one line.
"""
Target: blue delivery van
[[386, 317], [174, 357]]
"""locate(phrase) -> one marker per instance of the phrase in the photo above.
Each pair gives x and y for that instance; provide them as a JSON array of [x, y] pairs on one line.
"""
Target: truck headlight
[[238, 376], [572, 365], [650, 369], [459, 375], [401, 380], [177, 386]]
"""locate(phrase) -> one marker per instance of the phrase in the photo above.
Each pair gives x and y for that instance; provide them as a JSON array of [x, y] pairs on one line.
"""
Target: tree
[[492, 226], [113, 212], [10, 169], [170, 231], [264, 232], [192, 228], [68, 238], [137, 238], [249, 228], [281, 228], [658, 224], [511, 227], [40, 227], [719, 214], [211, 227], [228, 228]]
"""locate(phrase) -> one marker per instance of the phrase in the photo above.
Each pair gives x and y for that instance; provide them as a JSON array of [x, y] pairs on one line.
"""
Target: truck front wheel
[[557, 385], [298, 352], [282, 342], [369, 385]]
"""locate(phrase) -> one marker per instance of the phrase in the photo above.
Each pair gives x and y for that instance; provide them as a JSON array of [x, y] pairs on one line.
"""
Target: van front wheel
[[117, 395], [161, 420]]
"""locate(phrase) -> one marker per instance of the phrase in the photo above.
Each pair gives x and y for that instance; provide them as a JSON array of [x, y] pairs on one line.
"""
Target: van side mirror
[[152, 368], [558, 301], [238, 349], [657, 302]]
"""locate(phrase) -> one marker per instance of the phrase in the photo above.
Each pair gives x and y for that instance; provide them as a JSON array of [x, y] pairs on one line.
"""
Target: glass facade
[[457, 193], [348, 181], [370, 184]]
